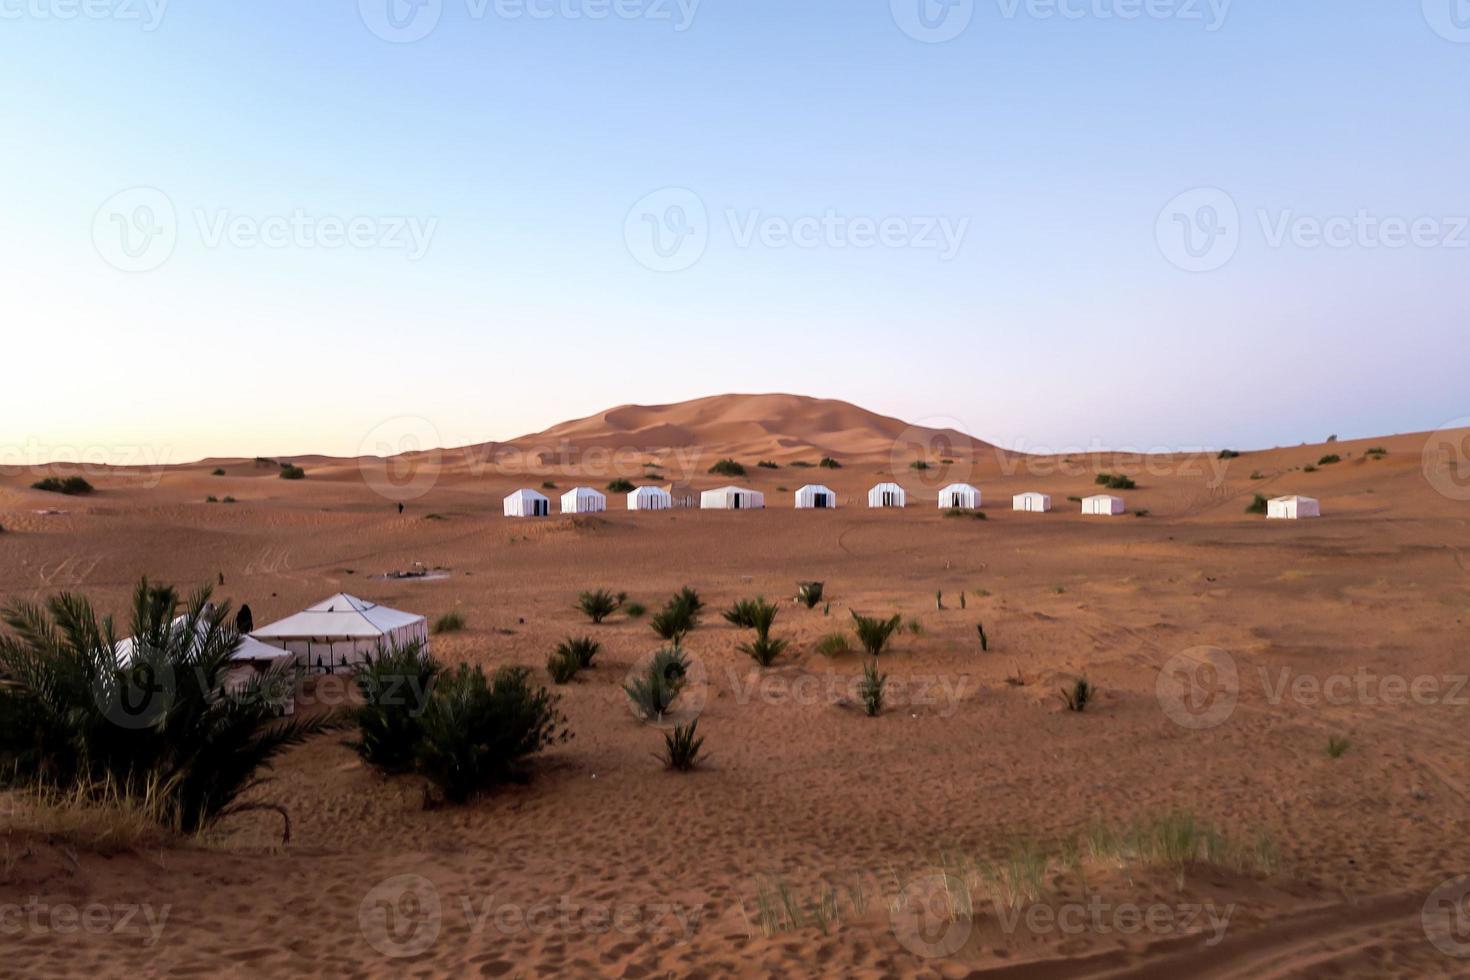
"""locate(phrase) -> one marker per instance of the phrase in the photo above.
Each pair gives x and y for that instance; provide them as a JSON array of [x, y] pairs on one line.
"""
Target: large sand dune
[[802, 792]]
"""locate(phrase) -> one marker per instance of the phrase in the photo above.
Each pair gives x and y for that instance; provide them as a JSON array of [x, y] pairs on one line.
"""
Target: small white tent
[[527, 503], [814, 496], [650, 498], [344, 630], [583, 500], [1292, 508], [1032, 502], [887, 495], [1102, 504], [959, 496], [732, 498]]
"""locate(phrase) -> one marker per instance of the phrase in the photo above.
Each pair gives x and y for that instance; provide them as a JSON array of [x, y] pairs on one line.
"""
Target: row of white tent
[[956, 496]]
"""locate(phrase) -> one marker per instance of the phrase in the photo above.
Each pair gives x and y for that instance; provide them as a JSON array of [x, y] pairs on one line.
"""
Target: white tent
[[1102, 504], [583, 500], [959, 496], [250, 657], [650, 498], [887, 495], [344, 630], [527, 503], [732, 498], [1032, 502], [1292, 508], [814, 496]]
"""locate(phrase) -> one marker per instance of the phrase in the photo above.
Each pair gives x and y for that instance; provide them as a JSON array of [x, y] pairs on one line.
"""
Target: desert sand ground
[[802, 791]]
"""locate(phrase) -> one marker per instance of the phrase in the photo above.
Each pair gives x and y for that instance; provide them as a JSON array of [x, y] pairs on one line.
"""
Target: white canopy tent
[[650, 498], [1103, 504], [959, 496], [1032, 502], [1292, 508], [732, 498], [250, 657], [887, 495], [583, 500], [814, 496], [344, 630], [527, 503]]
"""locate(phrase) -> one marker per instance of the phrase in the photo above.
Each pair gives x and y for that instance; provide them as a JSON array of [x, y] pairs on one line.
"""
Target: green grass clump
[[211, 499], [1228, 454], [290, 471], [562, 666], [1258, 505], [654, 693], [621, 486], [1337, 746], [1377, 452], [919, 465], [872, 688], [581, 651], [828, 463], [634, 610], [450, 622], [682, 747], [767, 464], [874, 634], [727, 467], [679, 616], [1080, 696], [834, 645], [218, 472], [1329, 459]]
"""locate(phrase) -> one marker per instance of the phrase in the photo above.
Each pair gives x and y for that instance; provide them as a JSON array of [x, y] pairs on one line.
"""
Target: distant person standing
[[400, 507]]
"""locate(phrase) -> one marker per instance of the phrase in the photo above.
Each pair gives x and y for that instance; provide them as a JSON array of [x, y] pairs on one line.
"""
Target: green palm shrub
[[599, 604], [395, 685], [582, 651], [872, 688], [682, 747], [874, 634]]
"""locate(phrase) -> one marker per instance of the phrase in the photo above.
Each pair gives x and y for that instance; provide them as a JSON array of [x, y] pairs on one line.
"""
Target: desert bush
[[72, 486], [1228, 454], [679, 616], [802, 464], [548, 485], [1329, 459], [741, 614], [1119, 482], [1079, 696], [828, 463], [682, 747], [833, 645], [229, 500], [451, 622], [562, 665], [1309, 468], [581, 650], [1376, 451], [621, 486], [874, 634], [599, 604], [479, 732], [1258, 505], [872, 688], [1337, 746], [79, 712], [919, 465], [1141, 512], [218, 472], [809, 593], [764, 649], [767, 464], [1257, 475], [656, 690], [727, 467], [395, 684], [211, 499], [292, 472], [634, 610]]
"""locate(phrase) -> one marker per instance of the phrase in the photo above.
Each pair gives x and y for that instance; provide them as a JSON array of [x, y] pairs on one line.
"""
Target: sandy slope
[[800, 790]]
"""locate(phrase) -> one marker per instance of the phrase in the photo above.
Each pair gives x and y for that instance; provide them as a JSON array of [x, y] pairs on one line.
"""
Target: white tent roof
[[1288, 499], [817, 488], [890, 487], [343, 616], [959, 488], [527, 495], [249, 649], [1103, 496], [730, 490]]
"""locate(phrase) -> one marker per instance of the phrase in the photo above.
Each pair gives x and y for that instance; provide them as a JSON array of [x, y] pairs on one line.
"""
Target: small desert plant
[[478, 731], [767, 464], [984, 640], [727, 467], [290, 471], [802, 464], [598, 605], [395, 684], [809, 594], [580, 650], [1337, 746], [764, 649], [1258, 505], [1228, 454], [621, 486], [229, 500], [548, 485], [915, 627], [1257, 475], [1141, 512], [872, 688], [1377, 451], [655, 691], [962, 598], [833, 645], [679, 616], [451, 622], [682, 746], [72, 486], [211, 499], [1329, 459], [741, 614], [1079, 696], [828, 463], [634, 610], [919, 465], [938, 598], [218, 472], [1309, 468], [1120, 482], [562, 665], [874, 634]]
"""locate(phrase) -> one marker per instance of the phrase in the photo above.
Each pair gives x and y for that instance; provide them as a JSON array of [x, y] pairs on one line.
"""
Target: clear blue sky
[[519, 146]]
